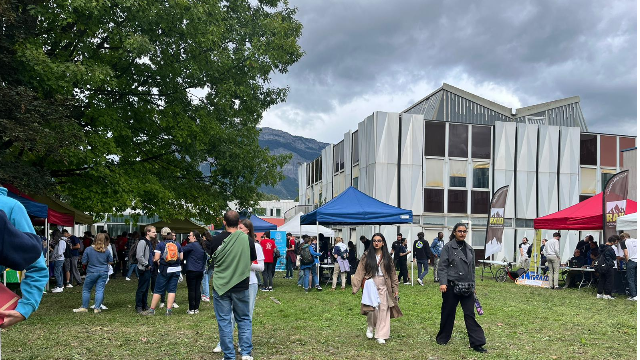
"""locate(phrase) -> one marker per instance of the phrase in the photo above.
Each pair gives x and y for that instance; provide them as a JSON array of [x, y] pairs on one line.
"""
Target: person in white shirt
[[524, 256], [552, 252], [630, 248]]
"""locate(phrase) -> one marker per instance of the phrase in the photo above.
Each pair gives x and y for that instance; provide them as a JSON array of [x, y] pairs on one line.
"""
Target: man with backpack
[[269, 249], [67, 258], [144, 258], [421, 255], [605, 266], [169, 255]]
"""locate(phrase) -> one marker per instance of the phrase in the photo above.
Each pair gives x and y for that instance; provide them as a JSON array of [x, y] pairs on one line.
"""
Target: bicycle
[[502, 274]]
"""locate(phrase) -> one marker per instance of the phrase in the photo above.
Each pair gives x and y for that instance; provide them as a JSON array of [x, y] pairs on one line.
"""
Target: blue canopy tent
[[354, 207], [259, 225], [34, 209]]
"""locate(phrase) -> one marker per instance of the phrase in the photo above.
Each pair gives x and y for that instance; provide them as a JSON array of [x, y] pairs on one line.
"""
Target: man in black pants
[[394, 251]]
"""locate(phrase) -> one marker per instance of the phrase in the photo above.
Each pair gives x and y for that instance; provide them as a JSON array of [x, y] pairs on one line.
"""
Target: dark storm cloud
[[539, 50]]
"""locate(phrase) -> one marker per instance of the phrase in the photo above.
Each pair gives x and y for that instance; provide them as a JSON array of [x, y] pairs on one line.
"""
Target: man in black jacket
[[421, 255], [394, 250]]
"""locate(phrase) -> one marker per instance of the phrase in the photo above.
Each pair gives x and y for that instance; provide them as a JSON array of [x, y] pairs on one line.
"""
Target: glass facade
[[588, 149], [434, 200], [480, 142], [608, 151], [434, 136], [457, 201], [355, 148], [458, 140], [480, 202]]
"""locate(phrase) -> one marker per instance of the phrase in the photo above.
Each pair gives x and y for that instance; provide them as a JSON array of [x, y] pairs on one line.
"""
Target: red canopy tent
[[585, 215], [54, 217]]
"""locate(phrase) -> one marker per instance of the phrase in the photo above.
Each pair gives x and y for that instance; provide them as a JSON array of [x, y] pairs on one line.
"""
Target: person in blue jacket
[[21, 252]]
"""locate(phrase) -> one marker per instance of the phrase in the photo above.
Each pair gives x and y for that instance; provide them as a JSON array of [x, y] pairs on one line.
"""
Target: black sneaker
[[139, 310], [479, 349]]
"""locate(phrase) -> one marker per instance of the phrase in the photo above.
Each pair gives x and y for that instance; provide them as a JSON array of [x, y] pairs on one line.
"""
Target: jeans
[[554, 267], [236, 304], [288, 268], [632, 277], [131, 268], [144, 278], [313, 272], [436, 261], [305, 278], [314, 275], [75, 274], [99, 280], [300, 276], [253, 293], [194, 282], [57, 271], [423, 268], [206, 279], [267, 274]]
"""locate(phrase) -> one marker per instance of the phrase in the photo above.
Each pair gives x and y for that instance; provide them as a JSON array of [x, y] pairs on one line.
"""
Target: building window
[[478, 237], [434, 171], [587, 181], [584, 197], [278, 212], [308, 168], [355, 150], [434, 134], [457, 202], [626, 143], [434, 200], [271, 212], [480, 202], [480, 142], [588, 149], [458, 140], [481, 175], [338, 157], [355, 182], [457, 173], [606, 175], [608, 151]]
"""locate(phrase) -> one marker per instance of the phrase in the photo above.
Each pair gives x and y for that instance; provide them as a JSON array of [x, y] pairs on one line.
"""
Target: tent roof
[[64, 208], [357, 208], [628, 222], [585, 215], [61, 217], [179, 226], [293, 226], [35, 209], [259, 225]]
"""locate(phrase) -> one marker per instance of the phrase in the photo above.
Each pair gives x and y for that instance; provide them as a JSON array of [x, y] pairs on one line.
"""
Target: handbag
[[463, 288]]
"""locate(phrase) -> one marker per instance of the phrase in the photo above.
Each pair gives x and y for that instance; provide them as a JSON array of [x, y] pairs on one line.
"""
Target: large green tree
[[146, 104]]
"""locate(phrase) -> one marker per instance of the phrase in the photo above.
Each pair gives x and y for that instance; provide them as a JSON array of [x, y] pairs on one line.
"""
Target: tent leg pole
[[46, 234]]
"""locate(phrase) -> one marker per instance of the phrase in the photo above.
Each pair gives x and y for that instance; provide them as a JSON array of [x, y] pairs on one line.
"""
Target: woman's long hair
[[452, 237], [100, 242], [370, 262], [249, 225]]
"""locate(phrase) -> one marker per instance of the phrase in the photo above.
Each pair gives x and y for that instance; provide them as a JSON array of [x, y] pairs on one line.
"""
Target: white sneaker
[[69, 285], [381, 341], [80, 310], [599, 296], [408, 283], [635, 298], [161, 305], [196, 311], [608, 297], [174, 306], [369, 332], [57, 290], [191, 312], [127, 279], [247, 357], [101, 307], [420, 282], [205, 299], [217, 349]]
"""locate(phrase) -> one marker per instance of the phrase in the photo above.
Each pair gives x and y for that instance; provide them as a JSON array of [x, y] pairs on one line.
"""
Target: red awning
[[585, 215], [274, 221], [53, 217]]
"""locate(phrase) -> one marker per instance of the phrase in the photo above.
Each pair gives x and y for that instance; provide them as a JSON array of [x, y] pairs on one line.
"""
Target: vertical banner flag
[[614, 202], [495, 228], [280, 238]]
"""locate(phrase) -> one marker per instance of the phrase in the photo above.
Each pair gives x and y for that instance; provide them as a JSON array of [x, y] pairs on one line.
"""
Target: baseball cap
[[165, 231]]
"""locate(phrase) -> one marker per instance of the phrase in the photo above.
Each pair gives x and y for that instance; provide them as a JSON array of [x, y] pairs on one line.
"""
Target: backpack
[[67, 250], [132, 254], [600, 265], [170, 254], [305, 255], [276, 254], [529, 251], [296, 248]]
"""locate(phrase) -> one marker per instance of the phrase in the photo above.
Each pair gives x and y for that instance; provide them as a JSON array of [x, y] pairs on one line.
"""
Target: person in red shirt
[[121, 245], [291, 256], [268, 248]]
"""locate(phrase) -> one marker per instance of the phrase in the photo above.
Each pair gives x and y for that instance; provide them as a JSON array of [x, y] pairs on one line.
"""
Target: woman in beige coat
[[376, 264]]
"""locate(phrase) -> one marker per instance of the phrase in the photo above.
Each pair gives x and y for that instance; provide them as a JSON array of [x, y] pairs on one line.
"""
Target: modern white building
[[444, 156]]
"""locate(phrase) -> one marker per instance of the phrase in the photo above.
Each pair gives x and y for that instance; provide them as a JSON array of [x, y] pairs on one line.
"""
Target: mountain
[[303, 150]]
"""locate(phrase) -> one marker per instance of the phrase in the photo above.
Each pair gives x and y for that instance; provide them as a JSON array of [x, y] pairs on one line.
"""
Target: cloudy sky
[[363, 56]]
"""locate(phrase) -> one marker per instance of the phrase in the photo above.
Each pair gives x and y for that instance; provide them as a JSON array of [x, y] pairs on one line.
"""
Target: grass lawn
[[520, 322]]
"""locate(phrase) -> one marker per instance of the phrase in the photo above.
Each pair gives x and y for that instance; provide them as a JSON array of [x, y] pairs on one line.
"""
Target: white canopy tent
[[293, 226], [628, 222]]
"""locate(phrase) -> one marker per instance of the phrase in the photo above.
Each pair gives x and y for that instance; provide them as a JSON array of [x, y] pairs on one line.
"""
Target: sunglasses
[[378, 241]]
